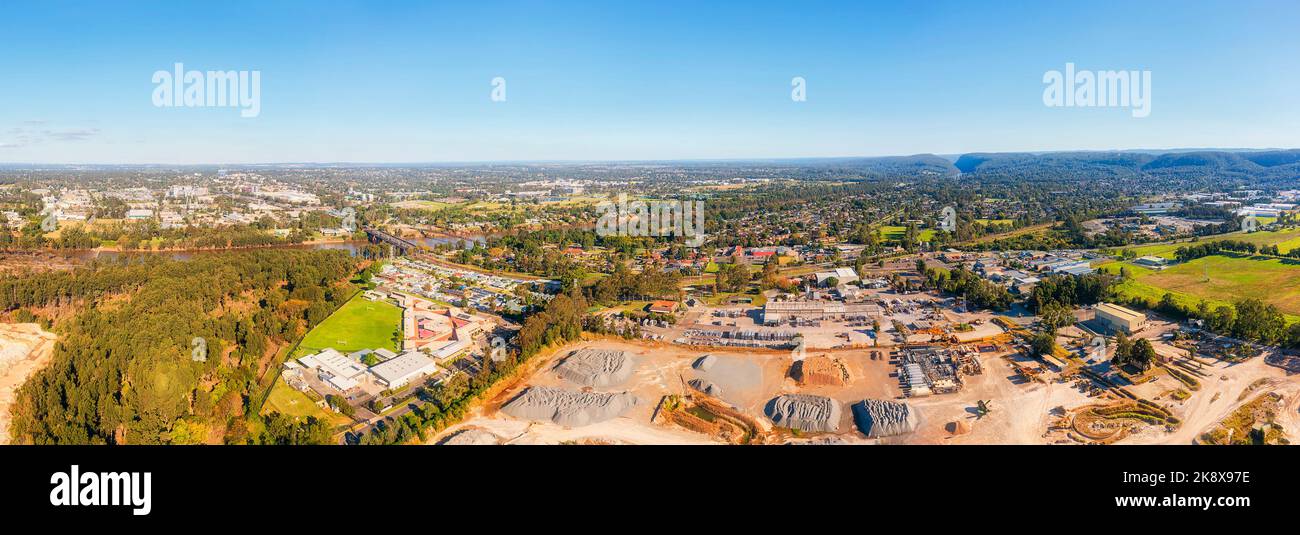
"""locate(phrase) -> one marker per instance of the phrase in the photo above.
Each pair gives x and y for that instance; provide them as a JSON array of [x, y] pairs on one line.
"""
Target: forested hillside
[[1200, 168], [124, 369]]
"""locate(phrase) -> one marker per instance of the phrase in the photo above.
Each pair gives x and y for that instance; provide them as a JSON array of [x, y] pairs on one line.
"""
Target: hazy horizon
[[407, 82], [950, 156]]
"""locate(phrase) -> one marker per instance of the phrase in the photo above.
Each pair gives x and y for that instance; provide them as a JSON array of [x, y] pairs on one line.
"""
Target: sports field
[[358, 324]]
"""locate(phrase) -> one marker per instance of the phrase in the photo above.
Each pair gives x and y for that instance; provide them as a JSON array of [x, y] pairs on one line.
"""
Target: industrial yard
[[926, 372], [747, 381]]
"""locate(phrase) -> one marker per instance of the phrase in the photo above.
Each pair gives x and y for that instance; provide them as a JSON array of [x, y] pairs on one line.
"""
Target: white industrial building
[[775, 312], [399, 371], [1152, 262], [841, 275], [335, 368], [139, 213], [452, 348]]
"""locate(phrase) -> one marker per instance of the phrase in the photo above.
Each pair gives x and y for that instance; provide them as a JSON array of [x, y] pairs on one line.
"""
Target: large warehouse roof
[[1120, 312], [402, 368], [333, 363]]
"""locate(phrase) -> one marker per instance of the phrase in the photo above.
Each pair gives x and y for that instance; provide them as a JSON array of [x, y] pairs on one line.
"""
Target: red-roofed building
[[662, 307]]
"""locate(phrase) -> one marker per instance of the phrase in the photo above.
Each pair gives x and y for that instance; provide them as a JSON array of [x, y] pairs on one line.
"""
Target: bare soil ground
[[24, 349], [663, 369], [1022, 411], [1228, 387], [35, 261]]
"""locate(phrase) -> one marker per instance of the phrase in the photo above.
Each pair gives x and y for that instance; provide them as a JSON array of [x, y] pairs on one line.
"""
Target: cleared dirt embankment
[[24, 349]]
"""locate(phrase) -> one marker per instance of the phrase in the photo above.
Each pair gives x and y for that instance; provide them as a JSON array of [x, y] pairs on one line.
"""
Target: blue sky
[[411, 81]]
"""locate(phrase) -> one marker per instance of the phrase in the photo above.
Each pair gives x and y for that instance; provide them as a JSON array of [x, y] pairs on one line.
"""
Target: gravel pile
[[706, 387], [596, 367], [473, 437], [878, 418], [805, 412], [738, 380], [569, 408], [833, 440]]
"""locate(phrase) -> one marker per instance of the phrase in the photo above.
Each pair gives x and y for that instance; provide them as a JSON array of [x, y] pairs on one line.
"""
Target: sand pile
[[705, 363], [878, 418], [473, 437], [805, 412], [820, 370], [957, 428], [568, 407], [596, 367], [706, 387]]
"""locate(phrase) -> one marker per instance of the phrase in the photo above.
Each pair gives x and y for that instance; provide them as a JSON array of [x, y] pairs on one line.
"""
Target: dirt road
[[1221, 393]]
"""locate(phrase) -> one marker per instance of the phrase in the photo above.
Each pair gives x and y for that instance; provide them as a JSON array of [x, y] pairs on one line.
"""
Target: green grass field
[[1113, 267], [423, 205], [289, 402], [1220, 280], [995, 221], [722, 299], [1284, 239], [895, 233], [358, 324], [578, 200]]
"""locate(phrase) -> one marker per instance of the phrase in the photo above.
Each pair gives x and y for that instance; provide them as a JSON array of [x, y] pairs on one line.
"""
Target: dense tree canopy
[[126, 370]]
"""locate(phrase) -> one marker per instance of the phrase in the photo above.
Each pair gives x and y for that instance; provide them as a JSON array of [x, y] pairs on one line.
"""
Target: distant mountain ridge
[[1203, 165], [1263, 164]]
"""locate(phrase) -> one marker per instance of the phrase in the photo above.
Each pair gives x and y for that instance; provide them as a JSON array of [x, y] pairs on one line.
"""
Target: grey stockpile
[[473, 437], [596, 367], [737, 380], [706, 387], [805, 412], [877, 418], [569, 408]]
